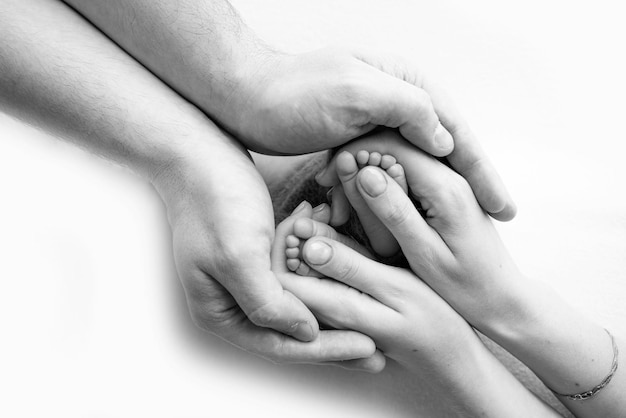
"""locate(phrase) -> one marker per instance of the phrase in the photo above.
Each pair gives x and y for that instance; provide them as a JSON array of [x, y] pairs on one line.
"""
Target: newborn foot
[[301, 228], [295, 263], [387, 163], [381, 240], [295, 235]]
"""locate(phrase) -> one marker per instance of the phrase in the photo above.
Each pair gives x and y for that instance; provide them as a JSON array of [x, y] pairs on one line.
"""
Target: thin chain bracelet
[[590, 393]]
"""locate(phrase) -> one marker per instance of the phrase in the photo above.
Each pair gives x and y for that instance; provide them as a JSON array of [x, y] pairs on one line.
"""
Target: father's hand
[[319, 100], [289, 104], [223, 227]]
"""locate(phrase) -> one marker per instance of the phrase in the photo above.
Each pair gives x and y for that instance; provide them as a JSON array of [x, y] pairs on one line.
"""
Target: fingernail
[[303, 331], [443, 139], [299, 208], [318, 252], [318, 208], [373, 182]]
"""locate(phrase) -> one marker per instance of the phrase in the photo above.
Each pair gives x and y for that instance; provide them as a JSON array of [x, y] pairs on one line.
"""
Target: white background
[[93, 321]]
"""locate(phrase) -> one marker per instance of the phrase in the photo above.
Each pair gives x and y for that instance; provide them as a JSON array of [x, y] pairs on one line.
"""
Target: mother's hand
[[454, 247]]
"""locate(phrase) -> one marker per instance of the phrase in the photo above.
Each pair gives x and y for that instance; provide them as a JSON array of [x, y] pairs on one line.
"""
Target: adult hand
[[76, 83], [322, 99], [454, 246], [223, 228], [290, 104]]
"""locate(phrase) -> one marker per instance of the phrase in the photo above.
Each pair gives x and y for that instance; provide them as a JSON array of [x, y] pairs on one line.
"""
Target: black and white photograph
[[304, 209]]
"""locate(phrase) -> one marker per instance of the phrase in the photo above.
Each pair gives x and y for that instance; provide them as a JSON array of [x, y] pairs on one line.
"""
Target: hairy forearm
[[60, 73], [202, 49]]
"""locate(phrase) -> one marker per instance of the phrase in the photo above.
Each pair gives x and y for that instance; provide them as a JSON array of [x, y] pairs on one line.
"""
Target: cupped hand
[[454, 247], [348, 289], [307, 102], [222, 224]]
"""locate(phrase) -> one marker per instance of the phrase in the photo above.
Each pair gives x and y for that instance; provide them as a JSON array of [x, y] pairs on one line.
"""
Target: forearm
[[58, 72], [471, 382], [202, 49], [569, 352]]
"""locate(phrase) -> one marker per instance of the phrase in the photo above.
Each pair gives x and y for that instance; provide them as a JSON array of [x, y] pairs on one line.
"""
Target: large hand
[[318, 100], [223, 229], [286, 104]]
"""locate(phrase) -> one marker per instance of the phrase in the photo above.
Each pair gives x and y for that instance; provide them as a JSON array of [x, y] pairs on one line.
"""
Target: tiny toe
[[375, 158], [396, 172], [362, 157], [304, 228], [292, 241], [292, 252], [387, 161], [346, 165], [293, 264]]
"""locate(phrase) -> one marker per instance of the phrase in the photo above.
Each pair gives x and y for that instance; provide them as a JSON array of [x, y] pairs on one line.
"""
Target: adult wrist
[[193, 162], [235, 94], [561, 345]]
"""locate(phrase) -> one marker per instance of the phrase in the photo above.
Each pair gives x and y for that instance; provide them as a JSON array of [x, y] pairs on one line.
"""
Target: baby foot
[[294, 240], [305, 228], [381, 240], [387, 163]]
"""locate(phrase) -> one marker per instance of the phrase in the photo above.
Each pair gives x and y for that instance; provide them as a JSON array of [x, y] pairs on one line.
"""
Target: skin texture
[[281, 104], [61, 74], [284, 104], [408, 321], [455, 248]]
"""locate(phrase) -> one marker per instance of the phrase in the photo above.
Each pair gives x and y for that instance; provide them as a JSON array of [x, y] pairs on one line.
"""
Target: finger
[[421, 244], [307, 228], [340, 209], [247, 275], [337, 261], [276, 308], [328, 176], [322, 213], [329, 346], [343, 307], [395, 103], [373, 364], [470, 160]]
